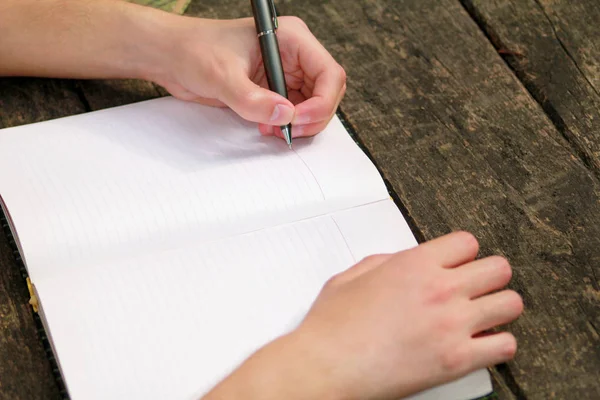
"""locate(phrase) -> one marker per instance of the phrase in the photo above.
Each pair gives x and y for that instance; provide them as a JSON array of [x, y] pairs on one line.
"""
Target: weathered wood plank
[[225, 9], [554, 47], [465, 147], [100, 94], [25, 101], [25, 372]]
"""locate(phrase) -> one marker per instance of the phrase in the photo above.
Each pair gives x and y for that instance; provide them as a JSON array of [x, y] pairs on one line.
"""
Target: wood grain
[[101, 94], [554, 48], [24, 100], [25, 372]]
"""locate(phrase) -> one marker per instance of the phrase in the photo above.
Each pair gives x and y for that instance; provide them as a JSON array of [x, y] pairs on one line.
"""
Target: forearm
[[287, 368], [81, 39]]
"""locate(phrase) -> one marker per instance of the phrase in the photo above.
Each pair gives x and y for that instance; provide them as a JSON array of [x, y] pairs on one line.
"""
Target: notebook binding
[[38, 321]]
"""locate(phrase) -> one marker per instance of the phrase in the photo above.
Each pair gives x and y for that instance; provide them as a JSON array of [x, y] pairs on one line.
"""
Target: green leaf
[[174, 6]]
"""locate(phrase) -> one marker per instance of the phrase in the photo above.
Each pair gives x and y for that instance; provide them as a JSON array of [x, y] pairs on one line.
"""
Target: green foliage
[[175, 6]]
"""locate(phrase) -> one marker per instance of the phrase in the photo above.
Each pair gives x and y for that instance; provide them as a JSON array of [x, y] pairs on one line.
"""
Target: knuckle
[[297, 21], [333, 282], [450, 323], [316, 129], [248, 97], [455, 360], [441, 291], [373, 259]]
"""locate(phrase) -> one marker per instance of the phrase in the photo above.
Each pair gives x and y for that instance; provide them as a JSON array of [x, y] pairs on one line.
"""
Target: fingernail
[[282, 114]]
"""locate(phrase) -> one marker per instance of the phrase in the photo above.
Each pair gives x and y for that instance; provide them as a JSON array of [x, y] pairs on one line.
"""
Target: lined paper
[[121, 182]]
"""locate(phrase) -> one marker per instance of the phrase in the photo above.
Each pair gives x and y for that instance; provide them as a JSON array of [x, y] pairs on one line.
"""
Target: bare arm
[[81, 39]]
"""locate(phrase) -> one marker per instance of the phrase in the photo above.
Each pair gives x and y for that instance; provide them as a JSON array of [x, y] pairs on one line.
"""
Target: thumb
[[255, 103]]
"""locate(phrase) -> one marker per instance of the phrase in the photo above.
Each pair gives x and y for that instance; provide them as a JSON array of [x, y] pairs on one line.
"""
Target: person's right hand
[[388, 327], [219, 63], [393, 325]]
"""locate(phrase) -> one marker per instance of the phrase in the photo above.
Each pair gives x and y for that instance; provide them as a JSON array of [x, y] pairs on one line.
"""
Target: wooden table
[[482, 115]]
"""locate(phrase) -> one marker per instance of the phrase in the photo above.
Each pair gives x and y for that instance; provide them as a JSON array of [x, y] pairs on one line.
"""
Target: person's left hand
[[218, 63]]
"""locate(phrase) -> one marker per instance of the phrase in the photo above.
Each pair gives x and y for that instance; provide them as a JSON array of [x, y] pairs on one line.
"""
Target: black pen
[[265, 19]]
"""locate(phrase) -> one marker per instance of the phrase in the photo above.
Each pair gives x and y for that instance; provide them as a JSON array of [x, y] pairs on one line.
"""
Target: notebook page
[[119, 182], [173, 324]]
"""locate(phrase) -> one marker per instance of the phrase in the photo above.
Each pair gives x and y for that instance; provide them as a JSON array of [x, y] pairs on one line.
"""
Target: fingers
[[330, 86], [483, 276], [254, 103], [451, 250], [312, 129], [329, 80], [496, 309], [493, 349], [269, 130]]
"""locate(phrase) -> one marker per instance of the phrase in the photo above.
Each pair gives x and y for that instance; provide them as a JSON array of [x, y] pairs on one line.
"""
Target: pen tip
[[287, 134]]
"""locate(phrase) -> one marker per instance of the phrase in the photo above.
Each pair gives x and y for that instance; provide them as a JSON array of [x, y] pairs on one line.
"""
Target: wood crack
[[536, 92], [81, 95], [506, 374], [593, 329], [564, 47]]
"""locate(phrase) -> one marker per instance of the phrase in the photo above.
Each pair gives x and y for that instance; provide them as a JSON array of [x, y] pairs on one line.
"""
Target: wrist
[[287, 368], [148, 42]]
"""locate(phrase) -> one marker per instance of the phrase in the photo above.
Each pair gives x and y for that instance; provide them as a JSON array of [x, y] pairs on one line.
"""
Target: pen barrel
[[269, 47], [263, 15]]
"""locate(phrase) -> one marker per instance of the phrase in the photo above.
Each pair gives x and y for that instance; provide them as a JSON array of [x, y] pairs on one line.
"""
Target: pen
[[265, 19]]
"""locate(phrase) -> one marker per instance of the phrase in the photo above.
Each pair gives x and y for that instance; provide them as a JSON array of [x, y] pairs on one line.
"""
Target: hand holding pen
[[317, 83], [265, 18], [219, 63]]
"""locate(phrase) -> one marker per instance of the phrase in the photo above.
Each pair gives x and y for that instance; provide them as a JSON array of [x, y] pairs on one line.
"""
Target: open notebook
[[167, 241]]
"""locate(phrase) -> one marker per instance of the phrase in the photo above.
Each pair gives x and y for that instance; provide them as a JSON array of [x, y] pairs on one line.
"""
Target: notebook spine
[[41, 332], [419, 236]]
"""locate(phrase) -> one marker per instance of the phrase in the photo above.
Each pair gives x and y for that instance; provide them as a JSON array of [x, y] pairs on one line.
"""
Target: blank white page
[[173, 324], [120, 182]]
